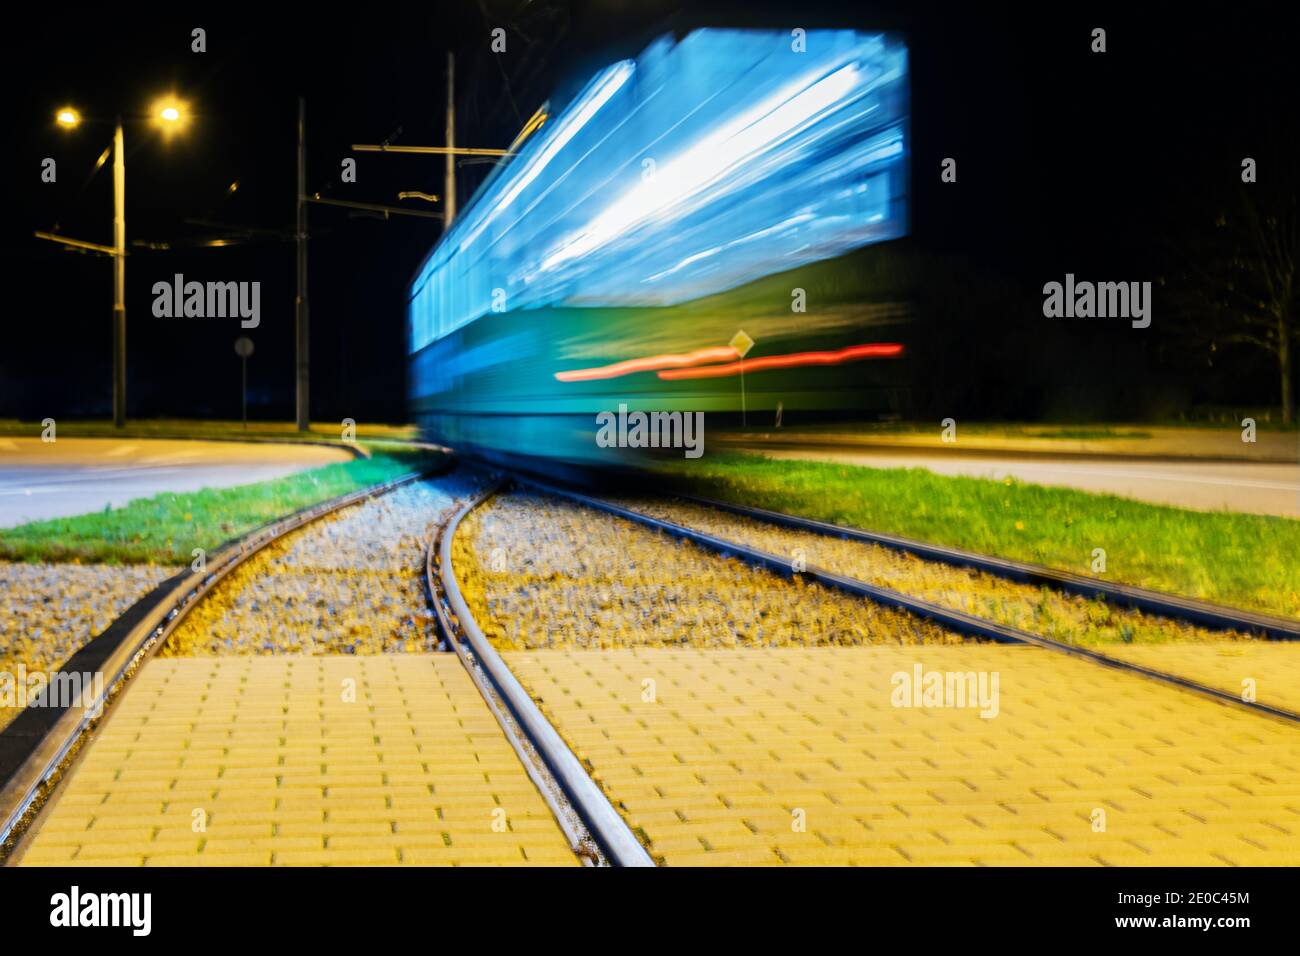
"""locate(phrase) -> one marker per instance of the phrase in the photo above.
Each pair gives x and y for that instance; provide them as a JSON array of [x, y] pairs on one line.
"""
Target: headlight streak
[[721, 353]]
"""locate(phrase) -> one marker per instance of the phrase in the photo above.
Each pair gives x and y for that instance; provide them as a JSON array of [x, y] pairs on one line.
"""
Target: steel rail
[[35, 745], [607, 828], [956, 620], [566, 814], [1204, 613]]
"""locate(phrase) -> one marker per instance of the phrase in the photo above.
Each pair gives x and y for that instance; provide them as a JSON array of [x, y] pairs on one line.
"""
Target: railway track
[[1191, 610], [571, 761], [799, 753], [39, 747], [594, 828], [1169, 606], [37, 783]]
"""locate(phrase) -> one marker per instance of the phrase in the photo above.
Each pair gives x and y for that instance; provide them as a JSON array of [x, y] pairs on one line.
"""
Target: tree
[[1262, 292], [1241, 283]]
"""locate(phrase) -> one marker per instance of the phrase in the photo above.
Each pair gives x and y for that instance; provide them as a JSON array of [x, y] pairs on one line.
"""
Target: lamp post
[[244, 348], [449, 188], [168, 113], [301, 315], [119, 277]]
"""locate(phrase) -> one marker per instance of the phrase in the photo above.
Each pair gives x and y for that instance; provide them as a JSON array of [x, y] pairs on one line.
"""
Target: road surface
[[76, 475], [1250, 487]]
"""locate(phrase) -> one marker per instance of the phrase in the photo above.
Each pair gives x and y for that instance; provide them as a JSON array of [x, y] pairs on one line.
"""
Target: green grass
[[1250, 561], [983, 429], [197, 428], [167, 527], [1091, 431]]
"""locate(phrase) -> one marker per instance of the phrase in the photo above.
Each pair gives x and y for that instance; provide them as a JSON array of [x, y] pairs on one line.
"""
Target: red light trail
[[720, 353], [793, 360], [695, 364]]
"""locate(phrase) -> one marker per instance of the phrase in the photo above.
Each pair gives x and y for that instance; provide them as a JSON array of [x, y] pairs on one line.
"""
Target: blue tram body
[[726, 182]]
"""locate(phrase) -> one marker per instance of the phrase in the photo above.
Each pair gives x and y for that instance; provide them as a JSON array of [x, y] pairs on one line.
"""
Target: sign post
[[244, 348], [742, 343]]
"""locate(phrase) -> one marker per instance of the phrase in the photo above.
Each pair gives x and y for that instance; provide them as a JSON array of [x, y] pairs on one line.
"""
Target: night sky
[[1067, 161]]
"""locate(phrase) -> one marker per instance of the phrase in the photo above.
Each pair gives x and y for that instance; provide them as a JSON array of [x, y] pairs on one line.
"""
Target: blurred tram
[[689, 234]]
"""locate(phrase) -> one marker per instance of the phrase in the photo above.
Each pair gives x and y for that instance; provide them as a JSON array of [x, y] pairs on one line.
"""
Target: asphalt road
[[1250, 487], [77, 475]]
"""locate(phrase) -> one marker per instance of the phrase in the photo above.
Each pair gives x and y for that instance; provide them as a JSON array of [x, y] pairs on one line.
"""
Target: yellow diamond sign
[[742, 343]]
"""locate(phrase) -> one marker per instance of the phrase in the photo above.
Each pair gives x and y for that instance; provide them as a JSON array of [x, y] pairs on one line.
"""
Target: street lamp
[[170, 114]]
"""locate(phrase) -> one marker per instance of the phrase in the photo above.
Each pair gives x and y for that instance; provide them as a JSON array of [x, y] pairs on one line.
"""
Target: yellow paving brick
[[50, 854], [1269, 669], [800, 756], [108, 860], [255, 761]]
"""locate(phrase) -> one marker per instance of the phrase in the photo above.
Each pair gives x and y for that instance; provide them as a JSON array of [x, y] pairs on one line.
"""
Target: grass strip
[[167, 527], [1247, 561]]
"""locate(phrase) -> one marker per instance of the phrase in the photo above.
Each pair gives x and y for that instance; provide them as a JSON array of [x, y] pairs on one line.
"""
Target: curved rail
[[566, 815], [609, 831], [1191, 610], [956, 620], [36, 744]]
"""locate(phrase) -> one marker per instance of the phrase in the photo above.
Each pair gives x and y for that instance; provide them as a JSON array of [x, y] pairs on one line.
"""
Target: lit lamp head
[[170, 115], [67, 117]]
